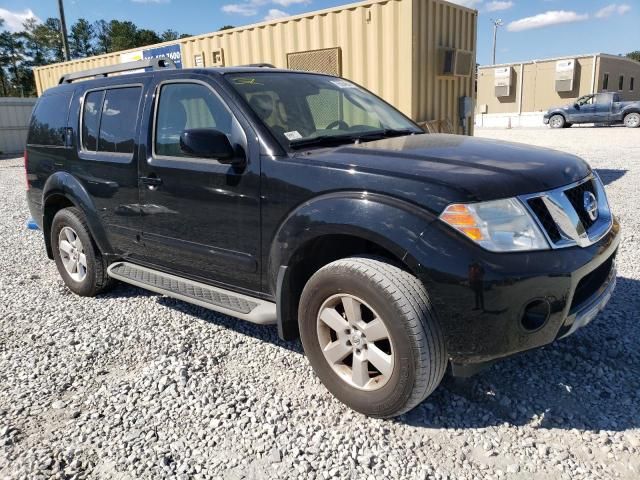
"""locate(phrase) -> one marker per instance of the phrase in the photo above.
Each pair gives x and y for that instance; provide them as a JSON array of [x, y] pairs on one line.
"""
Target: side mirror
[[576, 105], [208, 143]]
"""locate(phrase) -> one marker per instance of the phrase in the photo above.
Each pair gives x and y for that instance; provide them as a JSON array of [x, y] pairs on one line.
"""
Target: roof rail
[[155, 63], [259, 65]]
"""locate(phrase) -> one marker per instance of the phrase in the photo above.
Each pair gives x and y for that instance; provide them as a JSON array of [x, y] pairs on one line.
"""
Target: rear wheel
[[557, 121], [369, 333], [632, 120], [78, 259]]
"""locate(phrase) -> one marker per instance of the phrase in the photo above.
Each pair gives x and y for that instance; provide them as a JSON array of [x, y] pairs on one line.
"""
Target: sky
[[531, 28]]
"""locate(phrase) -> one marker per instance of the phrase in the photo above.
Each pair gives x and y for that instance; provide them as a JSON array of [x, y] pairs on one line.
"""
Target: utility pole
[[63, 31], [496, 23]]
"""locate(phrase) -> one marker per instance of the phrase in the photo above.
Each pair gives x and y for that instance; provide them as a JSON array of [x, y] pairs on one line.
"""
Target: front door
[[200, 217], [585, 110]]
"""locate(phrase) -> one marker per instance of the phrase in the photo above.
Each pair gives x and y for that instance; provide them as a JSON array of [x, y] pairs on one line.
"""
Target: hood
[[471, 169]]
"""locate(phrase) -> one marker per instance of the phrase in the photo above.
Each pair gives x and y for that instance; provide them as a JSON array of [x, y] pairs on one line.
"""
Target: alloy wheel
[[355, 342], [72, 254]]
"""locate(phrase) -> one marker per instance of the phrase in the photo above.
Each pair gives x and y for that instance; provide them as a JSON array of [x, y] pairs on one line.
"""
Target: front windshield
[[301, 108]]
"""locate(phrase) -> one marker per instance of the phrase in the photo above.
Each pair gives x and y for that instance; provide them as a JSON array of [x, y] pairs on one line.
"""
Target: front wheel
[[371, 337], [557, 121], [632, 120]]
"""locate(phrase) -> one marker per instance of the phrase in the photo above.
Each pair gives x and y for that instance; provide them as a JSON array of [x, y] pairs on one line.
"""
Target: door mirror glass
[[206, 143]]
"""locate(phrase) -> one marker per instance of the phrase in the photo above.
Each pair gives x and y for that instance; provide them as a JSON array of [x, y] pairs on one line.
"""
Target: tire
[[415, 356], [632, 120], [90, 278], [557, 121]]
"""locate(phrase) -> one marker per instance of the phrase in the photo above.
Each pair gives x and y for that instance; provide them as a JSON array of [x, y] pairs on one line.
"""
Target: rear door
[[106, 129], [201, 218], [603, 104]]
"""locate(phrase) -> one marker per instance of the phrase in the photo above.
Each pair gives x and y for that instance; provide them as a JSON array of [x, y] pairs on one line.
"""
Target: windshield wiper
[[321, 140], [329, 140], [385, 133]]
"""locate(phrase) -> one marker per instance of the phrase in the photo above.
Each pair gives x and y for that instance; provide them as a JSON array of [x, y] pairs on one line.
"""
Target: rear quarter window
[[49, 120]]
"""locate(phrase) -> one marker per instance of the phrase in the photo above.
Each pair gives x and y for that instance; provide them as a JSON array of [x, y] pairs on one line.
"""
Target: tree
[[169, 35], [52, 31], [185, 35], [123, 35], [146, 37], [81, 39], [634, 55], [226, 27], [102, 30]]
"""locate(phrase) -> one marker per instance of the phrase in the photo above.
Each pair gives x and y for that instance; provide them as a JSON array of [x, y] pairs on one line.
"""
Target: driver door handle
[[152, 181]]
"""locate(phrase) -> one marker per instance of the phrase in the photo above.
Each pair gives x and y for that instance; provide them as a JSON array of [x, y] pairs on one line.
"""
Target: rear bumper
[[482, 317], [545, 120]]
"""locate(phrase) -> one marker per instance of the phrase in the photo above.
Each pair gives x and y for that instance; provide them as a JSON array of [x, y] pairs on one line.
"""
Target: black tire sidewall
[[394, 395], [71, 218]]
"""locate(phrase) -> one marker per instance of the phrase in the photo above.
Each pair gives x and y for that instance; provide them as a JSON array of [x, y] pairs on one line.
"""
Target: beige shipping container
[[419, 55]]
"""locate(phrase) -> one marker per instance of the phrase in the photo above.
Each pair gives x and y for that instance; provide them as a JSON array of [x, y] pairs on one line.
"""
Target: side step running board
[[231, 303]]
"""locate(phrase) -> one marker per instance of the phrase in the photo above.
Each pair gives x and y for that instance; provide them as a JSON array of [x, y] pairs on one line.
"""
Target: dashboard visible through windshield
[[305, 110]]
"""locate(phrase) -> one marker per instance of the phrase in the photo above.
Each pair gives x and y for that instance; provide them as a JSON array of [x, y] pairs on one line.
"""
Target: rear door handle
[[152, 182]]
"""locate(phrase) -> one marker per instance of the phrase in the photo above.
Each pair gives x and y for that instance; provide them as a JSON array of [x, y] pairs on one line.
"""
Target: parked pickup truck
[[303, 200], [597, 108]]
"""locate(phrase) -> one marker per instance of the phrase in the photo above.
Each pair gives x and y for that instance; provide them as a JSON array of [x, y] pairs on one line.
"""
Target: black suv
[[304, 200]]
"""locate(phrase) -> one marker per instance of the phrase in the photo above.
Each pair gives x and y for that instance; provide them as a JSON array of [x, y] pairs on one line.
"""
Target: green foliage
[[41, 44], [634, 55], [226, 27]]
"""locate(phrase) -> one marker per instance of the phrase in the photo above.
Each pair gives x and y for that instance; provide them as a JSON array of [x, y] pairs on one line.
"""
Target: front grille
[[576, 197], [591, 283], [540, 210]]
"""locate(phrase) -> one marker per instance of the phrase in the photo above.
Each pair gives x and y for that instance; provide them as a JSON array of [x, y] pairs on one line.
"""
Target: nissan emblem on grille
[[591, 205]]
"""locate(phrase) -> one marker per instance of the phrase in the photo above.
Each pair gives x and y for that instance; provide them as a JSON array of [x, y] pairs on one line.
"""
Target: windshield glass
[[309, 110]]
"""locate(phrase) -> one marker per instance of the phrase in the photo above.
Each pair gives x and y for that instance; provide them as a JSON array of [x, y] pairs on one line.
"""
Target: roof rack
[[155, 63], [259, 65]]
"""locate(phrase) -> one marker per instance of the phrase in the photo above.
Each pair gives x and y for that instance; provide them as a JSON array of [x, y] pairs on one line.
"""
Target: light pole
[[63, 31], [496, 23]]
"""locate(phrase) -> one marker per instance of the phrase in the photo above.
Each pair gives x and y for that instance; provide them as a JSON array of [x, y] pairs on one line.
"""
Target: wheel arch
[[63, 190], [337, 226]]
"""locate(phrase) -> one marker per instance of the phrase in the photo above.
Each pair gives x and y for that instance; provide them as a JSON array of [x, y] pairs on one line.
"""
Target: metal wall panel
[[15, 114], [438, 24], [388, 46]]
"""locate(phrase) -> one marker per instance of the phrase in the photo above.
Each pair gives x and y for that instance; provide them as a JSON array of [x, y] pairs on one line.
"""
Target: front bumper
[[481, 313], [545, 120]]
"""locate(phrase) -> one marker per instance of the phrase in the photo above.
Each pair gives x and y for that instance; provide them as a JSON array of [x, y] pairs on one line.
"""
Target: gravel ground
[[136, 385]]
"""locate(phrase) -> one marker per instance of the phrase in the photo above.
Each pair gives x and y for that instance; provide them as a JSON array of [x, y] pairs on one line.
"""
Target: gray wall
[[14, 123]]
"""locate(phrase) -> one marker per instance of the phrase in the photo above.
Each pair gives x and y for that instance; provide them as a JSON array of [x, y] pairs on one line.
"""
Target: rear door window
[[118, 120], [91, 120], [49, 120]]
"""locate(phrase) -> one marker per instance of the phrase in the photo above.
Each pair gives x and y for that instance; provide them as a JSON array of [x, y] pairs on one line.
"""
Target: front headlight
[[497, 225]]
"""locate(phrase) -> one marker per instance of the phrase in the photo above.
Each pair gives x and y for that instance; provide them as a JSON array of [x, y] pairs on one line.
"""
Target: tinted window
[[49, 120], [632, 82], [91, 120], [118, 122], [621, 82], [605, 82], [183, 106]]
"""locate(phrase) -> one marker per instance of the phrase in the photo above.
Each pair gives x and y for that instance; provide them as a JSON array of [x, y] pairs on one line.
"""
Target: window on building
[[632, 82], [621, 82], [188, 105], [119, 118], [605, 82]]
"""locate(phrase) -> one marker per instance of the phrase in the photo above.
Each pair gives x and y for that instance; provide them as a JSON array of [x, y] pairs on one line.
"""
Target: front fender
[[392, 224], [63, 183], [386, 221]]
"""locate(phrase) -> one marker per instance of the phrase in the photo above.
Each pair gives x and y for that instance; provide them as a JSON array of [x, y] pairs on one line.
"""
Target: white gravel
[[136, 385]]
